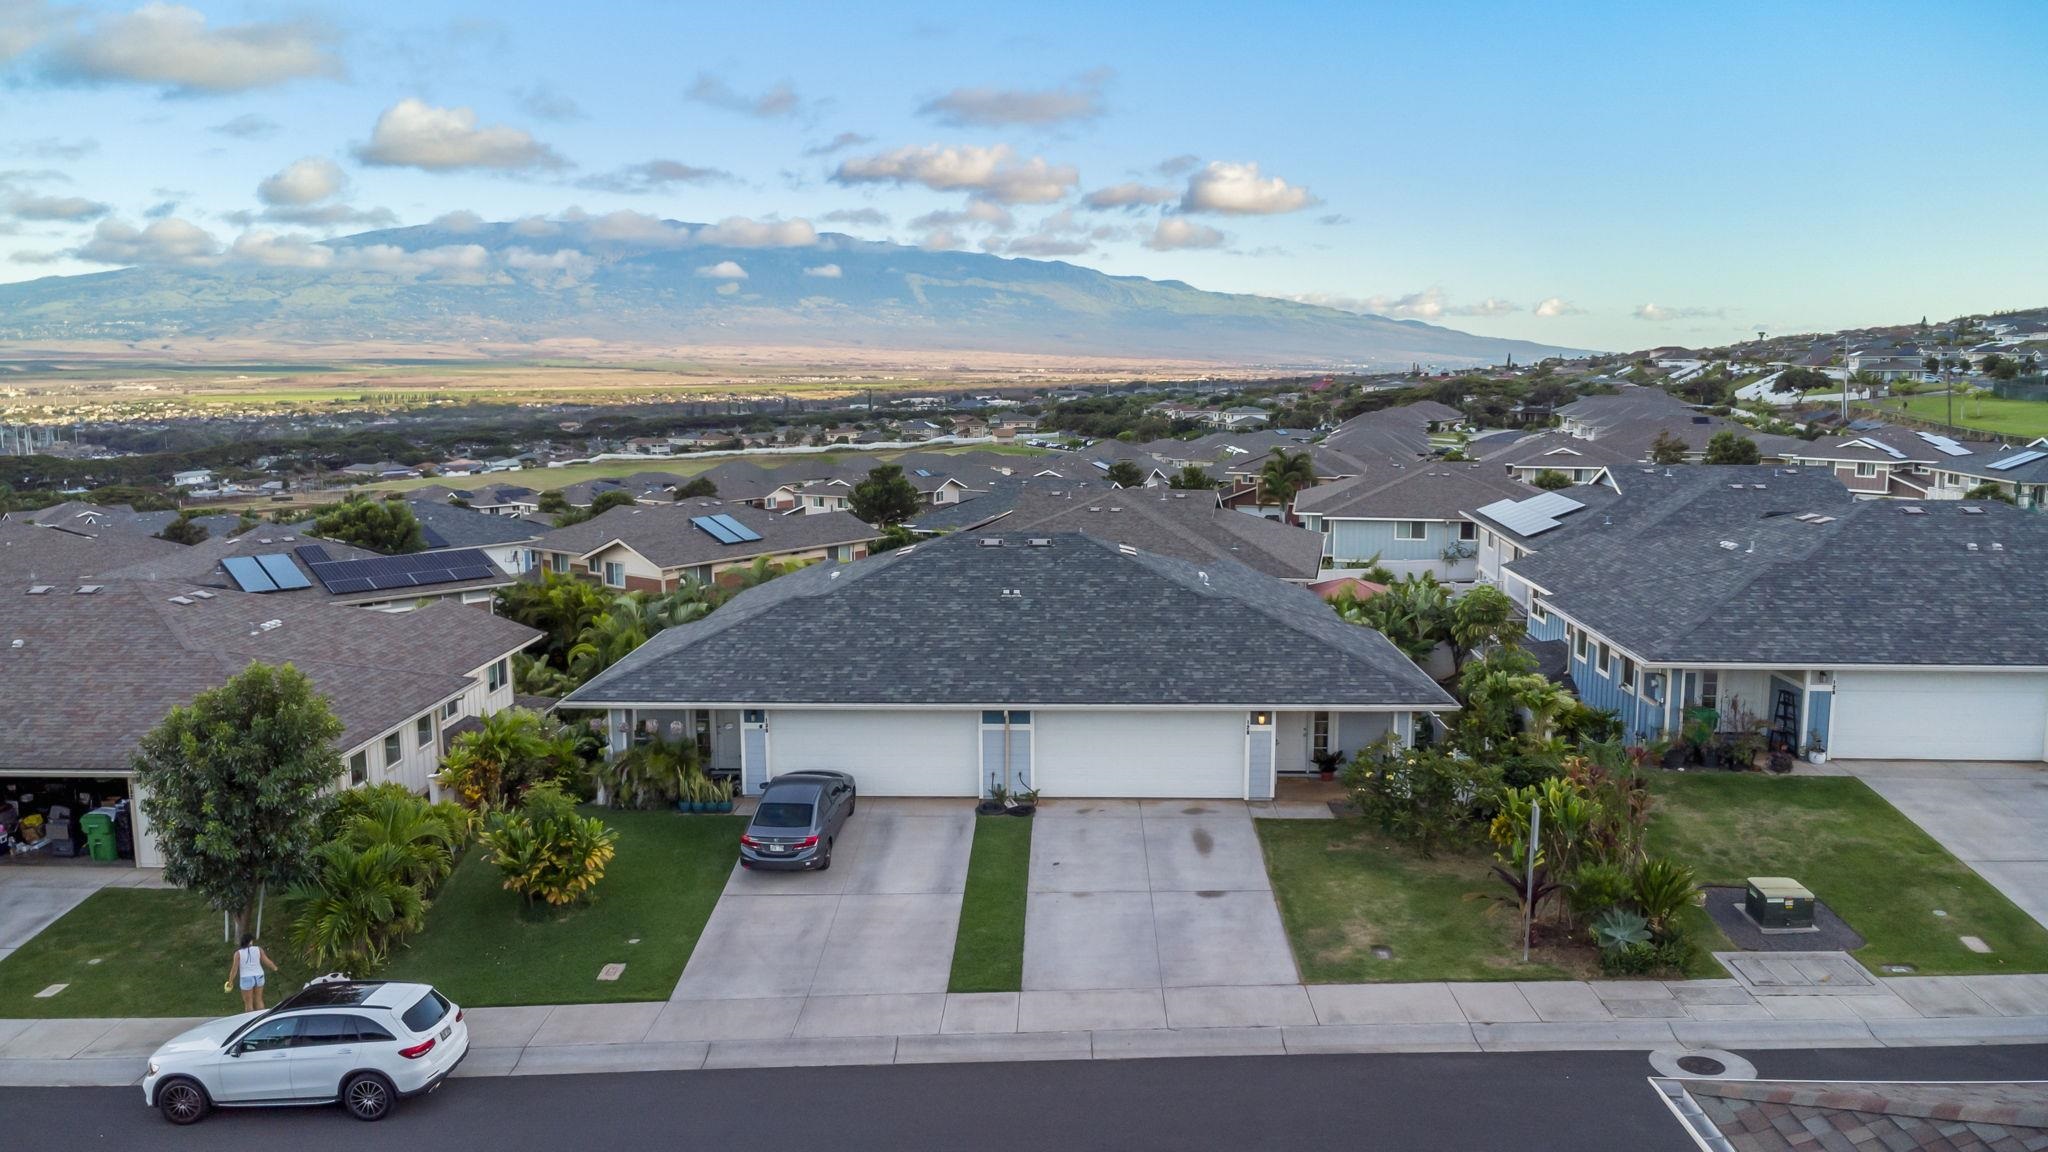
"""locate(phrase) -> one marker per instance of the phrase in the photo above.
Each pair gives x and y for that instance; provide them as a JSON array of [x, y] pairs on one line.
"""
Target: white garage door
[[1940, 716], [907, 753], [1192, 754]]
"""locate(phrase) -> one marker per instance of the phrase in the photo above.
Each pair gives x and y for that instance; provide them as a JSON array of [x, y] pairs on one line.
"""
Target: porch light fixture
[[1262, 719]]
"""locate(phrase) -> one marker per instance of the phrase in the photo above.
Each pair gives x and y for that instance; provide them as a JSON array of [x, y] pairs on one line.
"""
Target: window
[[1866, 469], [368, 1029], [501, 674], [1604, 653], [423, 731], [1710, 689], [359, 769], [1579, 644], [1319, 733], [560, 563], [614, 574], [326, 1028], [996, 719], [394, 749], [754, 716], [428, 1012], [1410, 530], [1536, 611], [1628, 674], [274, 1033], [451, 709], [1467, 530]]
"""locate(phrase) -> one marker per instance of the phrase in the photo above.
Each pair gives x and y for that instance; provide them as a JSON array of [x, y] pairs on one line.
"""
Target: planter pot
[[1817, 757], [1023, 809], [1330, 775], [988, 808], [1674, 758], [1710, 757], [725, 807]]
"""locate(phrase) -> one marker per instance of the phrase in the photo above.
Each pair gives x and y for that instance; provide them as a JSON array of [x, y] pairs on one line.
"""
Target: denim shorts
[[248, 982]]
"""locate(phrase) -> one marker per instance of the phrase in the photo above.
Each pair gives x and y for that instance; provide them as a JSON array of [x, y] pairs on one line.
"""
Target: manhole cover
[[1382, 952], [1702, 1065]]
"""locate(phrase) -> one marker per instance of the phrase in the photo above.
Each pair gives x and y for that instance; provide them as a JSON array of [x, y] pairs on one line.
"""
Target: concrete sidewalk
[[1084, 1025]]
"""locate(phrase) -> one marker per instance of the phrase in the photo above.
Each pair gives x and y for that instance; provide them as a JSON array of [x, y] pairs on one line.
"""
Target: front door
[[260, 1066]]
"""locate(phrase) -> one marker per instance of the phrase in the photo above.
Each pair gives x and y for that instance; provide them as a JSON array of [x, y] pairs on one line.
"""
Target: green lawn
[[1343, 888], [1858, 854], [482, 946], [988, 953], [543, 479], [137, 952], [2020, 418], [157, 952]]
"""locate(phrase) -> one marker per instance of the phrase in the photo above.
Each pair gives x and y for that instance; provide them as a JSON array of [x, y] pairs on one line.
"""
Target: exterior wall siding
[[1363, 539]]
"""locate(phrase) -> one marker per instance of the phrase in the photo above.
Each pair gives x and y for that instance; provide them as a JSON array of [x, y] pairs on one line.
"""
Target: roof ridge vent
[[271, 625], [1127, 550], [990, 542], [89, 589], [38, 589], [1729, 545], [1971, 545], [1997, 547], [1038, 542]]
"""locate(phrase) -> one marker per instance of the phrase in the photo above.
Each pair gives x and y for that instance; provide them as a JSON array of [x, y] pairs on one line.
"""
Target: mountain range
[[669, 284]]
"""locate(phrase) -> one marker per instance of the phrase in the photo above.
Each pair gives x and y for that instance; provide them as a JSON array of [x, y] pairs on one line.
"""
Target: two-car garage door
[[912, 752], [1939, 716]]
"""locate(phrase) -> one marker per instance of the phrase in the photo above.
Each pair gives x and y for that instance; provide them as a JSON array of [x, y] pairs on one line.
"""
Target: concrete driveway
[[35, 896], [870, 938], [1150, 894], [1994, 817]]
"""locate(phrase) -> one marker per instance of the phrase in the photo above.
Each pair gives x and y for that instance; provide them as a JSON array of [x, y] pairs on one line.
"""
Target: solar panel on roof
[[382, 573], [344, 587], [312, 553], [1551, 504], [282, 571], [2016, 461], [1947, 446], [715, 530], [745, 533], [248, 574], [1883, 447]]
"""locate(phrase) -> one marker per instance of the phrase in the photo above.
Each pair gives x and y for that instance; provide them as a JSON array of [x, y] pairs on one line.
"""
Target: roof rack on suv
[[330, 994]]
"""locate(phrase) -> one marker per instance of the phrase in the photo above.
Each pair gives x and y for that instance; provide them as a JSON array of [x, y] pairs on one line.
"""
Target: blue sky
[[1600, 175]]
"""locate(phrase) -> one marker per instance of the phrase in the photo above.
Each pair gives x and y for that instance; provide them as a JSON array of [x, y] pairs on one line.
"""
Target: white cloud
[[1007, 107], [303, 182], [542, 102], [1039, 244], [38, 257], [460, 220], [170, 45], [1239, 190], [992, 173], [978, 214], [939, 240], [564, 264], [729, 288], [1428, 304], [166, 241], [723, 270], [1658, 313], [330, 215], [449, 261], [778, 101], [272, 250], [23, 25], [824, 272], [535, 226], [1176, 233], [415, 134], [1553, 306], [1180, 165], [869, 217], [839, 143], [1128, 195], [652, 176], [1491, 306], [248, 126], [55, 148], [741, 232], [28, 206], [628, 227]]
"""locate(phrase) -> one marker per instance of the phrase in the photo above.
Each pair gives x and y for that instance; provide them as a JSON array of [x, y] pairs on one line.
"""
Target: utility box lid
[[1779, 888]]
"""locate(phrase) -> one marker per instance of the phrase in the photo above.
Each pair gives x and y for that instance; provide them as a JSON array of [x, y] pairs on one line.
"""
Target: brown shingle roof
[[664, 535]]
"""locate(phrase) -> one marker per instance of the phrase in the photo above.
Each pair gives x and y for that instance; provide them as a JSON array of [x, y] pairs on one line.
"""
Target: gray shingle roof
[[664, 535], [1419, 492], [103, 669], [452, 526], [1683, 497], [29, 554], [1078, 622], [1881, 583], [1186, 525]]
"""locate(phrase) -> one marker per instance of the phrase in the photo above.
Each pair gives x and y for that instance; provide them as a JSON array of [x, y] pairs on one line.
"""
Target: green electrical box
[[1778, 903]]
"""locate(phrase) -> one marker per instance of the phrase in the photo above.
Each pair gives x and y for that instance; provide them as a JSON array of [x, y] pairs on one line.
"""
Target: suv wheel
[[182, 1101], [367, 1096]]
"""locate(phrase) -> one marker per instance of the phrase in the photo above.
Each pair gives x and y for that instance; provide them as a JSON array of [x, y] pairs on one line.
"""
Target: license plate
[[778, 847], [446, 1032]]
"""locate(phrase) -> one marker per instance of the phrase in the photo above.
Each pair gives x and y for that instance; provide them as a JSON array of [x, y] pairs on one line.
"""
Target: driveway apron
[[1993, 817], [1150, 894]]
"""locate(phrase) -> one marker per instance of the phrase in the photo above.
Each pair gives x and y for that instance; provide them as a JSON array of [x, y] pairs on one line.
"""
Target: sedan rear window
[[427, 1013], [783, 816]]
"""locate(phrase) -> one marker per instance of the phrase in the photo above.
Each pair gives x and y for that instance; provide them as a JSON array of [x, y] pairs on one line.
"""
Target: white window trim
[[1401, 530]]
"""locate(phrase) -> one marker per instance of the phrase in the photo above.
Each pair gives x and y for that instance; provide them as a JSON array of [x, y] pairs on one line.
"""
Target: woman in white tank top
[[245, 968]]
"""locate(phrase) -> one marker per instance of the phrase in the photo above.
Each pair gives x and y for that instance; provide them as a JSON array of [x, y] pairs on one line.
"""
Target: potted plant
[[1781, 760], [1326, 763], [1698, 734], [994, 805], [1670, 753], [1024, 802], [1816, 752]]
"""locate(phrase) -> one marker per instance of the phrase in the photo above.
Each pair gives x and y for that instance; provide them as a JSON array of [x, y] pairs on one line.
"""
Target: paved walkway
[[1993, 817], [1236, 1020]]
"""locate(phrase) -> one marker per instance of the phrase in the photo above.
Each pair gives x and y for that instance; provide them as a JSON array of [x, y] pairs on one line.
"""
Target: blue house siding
[[1364, 539], [1549, 628]]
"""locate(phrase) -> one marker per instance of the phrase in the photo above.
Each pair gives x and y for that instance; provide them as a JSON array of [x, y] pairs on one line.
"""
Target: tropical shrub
[[547, 850], [1663, 888], [1619, 928], [1597, 888], [425, 836], [513, 750], [355, 902], [1639, 959], [651, 775], [1427, 796]]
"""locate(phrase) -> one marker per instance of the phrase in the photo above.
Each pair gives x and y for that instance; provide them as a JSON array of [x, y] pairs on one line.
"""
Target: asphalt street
[[1526, 1102]]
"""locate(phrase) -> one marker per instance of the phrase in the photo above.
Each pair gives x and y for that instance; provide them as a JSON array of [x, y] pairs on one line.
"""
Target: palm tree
[[423, 839], [513, 749], [1284, 474], [608, 639], [1414, 613], [353, 904]]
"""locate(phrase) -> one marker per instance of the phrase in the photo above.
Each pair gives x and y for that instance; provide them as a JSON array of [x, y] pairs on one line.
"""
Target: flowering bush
[[1426, 796]]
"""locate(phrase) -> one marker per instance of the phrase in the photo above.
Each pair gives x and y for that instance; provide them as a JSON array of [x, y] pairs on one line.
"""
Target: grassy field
[[1857, 854], [137, 952], [483, 946], [1343, 889], [542, 479], [2018, 418], [988, 953]]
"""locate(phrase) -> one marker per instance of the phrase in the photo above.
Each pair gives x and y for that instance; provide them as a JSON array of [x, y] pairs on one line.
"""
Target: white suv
[[364, 1043]]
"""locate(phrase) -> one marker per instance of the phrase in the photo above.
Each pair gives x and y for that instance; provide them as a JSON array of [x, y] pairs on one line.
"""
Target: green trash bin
[[99, 835]]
